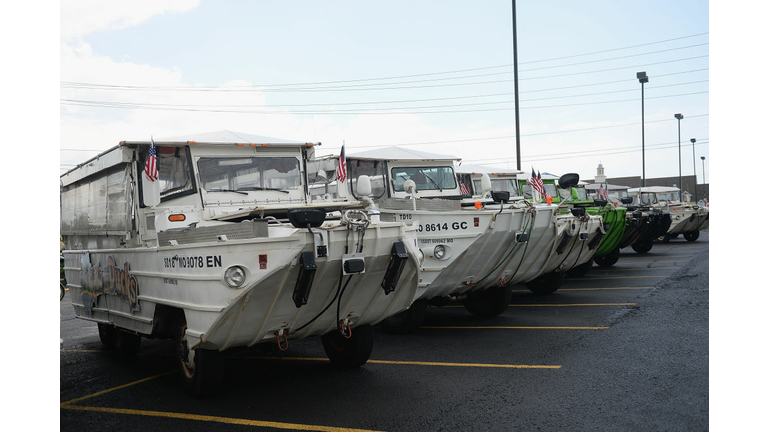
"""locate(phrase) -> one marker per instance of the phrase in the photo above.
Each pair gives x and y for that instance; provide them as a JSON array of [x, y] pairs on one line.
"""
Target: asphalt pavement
[[623, 348]]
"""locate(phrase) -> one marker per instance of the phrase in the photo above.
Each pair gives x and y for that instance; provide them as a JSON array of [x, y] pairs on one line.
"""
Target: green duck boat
[[614, 217]]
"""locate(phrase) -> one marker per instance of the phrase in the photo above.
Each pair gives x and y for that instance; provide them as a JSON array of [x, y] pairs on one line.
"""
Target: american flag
[[150, 169], [464, 189], [602, 193], [536, 182], [341, 170]]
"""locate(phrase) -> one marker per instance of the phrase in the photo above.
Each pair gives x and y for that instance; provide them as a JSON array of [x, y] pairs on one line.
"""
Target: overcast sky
[[434, 76], [411, 61]]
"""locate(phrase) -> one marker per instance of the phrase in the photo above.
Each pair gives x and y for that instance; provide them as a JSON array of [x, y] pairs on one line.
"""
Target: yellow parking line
[[591, 289], [655, 256], [216, 419], [65, 404], [412, 363], [622, 269], [618, 277], [573, 304], [512, 328], [601, 289]]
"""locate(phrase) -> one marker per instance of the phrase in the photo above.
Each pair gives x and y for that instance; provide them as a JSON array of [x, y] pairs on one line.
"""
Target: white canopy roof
[[224, 137], [544, 176], [655, 189], [609, 186], [399, 153], [481, 169]]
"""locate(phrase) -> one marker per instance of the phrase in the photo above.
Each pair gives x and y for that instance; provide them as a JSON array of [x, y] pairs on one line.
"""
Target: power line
[[615, 49], [334, 104], [558, 156], [270, 87], [358, 111]]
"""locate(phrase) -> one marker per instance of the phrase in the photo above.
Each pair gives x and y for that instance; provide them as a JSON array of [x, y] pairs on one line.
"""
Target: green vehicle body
[[614, 218]]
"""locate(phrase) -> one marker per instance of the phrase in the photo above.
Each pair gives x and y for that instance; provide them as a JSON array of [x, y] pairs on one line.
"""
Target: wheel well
[[167, 322]]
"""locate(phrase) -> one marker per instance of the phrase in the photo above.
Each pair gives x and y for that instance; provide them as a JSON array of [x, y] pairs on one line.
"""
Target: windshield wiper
[[261, 188], [433, 182], [226, 190]]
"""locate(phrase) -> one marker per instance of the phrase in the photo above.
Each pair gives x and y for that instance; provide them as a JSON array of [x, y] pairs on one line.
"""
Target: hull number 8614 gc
[[442, 227]]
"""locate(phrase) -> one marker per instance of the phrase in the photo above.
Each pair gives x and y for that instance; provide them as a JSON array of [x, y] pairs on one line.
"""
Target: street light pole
[[679, 156], [517, 101], [693, 141], [704, 177], [643, 78]]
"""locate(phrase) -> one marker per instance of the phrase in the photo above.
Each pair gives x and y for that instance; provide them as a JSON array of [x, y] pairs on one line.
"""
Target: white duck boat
[[225, 248], [687, 219], [473, 250]]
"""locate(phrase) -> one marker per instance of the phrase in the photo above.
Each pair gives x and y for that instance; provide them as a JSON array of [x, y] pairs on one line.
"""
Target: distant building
[[689, 182], [600, 177]]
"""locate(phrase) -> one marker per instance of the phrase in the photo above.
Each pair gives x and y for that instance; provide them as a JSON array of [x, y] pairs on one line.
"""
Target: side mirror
[[409, 187], [499, 196], [568, 181], [600, 202], [302, 218], [626, 200], [364, 185], [485, 183]]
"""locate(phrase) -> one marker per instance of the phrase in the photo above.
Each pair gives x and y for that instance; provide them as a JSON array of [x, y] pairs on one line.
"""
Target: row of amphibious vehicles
[[243, 240]]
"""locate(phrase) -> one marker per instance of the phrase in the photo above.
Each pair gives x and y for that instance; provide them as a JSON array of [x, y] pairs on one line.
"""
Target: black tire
[[406, 321], [349, 353], [608, 259], [107, 335], [547, 283], [490, 302], [127, 344], [203, 376], [61, 288], [691, 236], [580, 270], [642, 247]]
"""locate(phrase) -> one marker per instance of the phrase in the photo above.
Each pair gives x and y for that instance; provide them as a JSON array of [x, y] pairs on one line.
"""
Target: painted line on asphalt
[[572, 304], [512, 328], [412, 363], [109, 390], [616, 277], [606, 289], [591, 289], [86, 351], [558, 304], [621, 269], [633, 257], [217, 419]]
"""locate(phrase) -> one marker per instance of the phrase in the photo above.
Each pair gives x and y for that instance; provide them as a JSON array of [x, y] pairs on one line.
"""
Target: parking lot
[[621, 348]]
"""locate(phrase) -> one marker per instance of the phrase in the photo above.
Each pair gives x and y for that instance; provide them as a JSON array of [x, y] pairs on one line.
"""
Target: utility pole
[[517, 100]]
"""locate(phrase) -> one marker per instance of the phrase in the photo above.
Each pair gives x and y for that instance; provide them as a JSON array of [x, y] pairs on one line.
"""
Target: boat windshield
[[499, 185], [647, 198], [549, 189], [426, 178], [581, 194], [230, 174], [617, 195], [667, 196]]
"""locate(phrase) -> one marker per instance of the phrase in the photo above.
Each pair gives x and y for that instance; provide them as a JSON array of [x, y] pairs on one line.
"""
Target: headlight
[[439, 251], [234, 277]]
